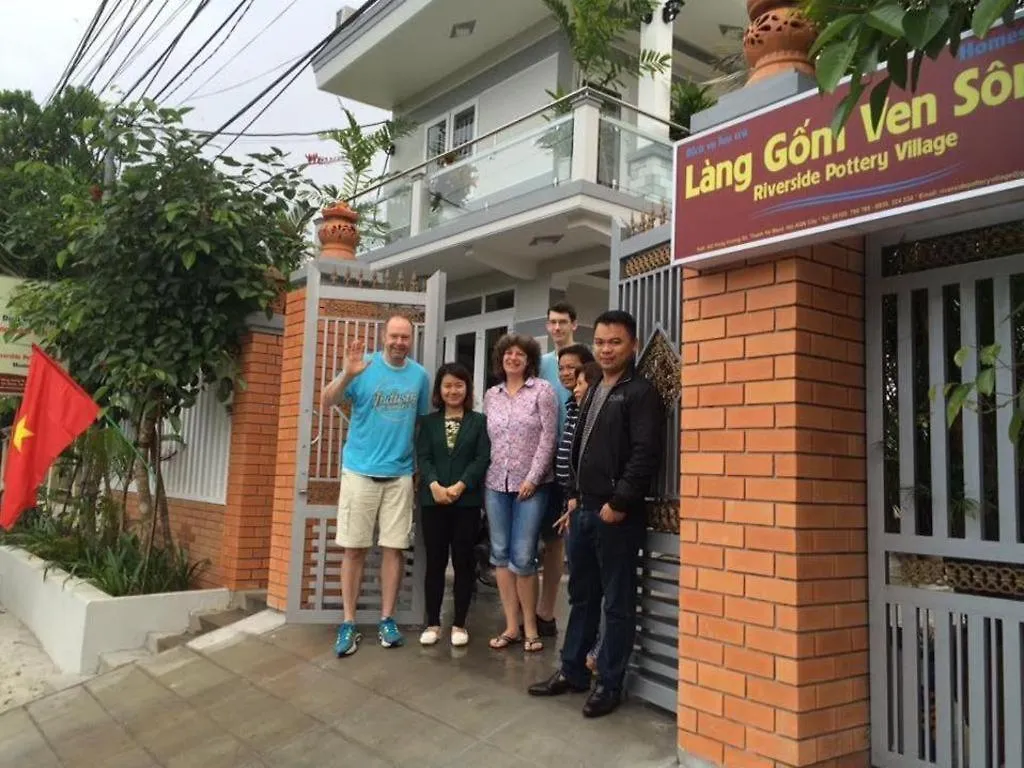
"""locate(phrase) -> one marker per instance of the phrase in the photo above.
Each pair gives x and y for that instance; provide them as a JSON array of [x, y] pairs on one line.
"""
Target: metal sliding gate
[[945, 519], [342, 305], [647, 284]]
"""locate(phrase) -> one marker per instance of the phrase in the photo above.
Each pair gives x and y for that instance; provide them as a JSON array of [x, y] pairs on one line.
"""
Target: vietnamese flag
[[54, 411]]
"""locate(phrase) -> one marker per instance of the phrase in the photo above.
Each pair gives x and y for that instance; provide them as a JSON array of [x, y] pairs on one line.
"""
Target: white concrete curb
[[75, 622], [257, 624]]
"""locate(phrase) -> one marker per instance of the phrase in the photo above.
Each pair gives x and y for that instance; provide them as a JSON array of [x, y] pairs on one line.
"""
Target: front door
[[471, 341]]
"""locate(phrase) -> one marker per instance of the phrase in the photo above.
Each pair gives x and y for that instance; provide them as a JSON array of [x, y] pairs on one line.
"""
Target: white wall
[[588, 301], [520, 93]]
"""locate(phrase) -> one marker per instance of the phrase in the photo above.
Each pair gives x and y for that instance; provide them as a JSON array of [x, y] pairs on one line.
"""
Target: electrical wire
[[110, 42], [161, 60], [237, 53], [298, 71], [243, 6], [134, 52], [166, 56], [270, 71], [121, 39], [294, 70], [76, 57]]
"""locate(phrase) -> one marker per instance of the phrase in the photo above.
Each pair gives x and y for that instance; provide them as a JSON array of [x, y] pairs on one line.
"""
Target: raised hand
[[355, 358]]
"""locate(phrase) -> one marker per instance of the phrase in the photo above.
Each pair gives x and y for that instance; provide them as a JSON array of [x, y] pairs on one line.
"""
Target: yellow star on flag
[[21, 433]]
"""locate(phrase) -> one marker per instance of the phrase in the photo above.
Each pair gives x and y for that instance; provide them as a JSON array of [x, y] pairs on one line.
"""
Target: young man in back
[[615, 456], [388, 392], [561, 327]]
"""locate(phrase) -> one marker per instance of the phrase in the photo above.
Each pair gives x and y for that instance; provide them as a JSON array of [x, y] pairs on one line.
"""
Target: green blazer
[[467, 462]]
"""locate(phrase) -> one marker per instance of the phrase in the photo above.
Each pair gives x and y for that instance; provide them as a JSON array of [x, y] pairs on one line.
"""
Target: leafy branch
[[858, 35], [360, 151], [595, 31], [959, 395]]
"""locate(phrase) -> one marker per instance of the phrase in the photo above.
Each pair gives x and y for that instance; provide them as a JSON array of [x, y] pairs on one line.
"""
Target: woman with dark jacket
[[453, 452]]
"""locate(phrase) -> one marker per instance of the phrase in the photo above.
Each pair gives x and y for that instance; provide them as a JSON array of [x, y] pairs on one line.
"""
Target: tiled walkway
[[282, 699]]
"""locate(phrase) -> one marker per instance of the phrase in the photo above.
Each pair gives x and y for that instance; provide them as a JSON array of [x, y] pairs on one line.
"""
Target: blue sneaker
[[387, 632], [348, 639]]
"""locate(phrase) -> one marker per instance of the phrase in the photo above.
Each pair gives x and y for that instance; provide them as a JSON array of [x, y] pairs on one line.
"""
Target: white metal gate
[[945, 526], [646, 284], [340, 307]]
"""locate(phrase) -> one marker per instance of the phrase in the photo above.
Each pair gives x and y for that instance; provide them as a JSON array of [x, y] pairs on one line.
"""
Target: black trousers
[[449, 530], [603, 562]]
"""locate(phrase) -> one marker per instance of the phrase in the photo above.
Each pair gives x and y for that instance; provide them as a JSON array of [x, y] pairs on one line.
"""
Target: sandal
[[533, 645], [503, 641], [460, 637]]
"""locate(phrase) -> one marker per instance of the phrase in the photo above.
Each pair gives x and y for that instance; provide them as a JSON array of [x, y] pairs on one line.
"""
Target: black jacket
[[624, 450]]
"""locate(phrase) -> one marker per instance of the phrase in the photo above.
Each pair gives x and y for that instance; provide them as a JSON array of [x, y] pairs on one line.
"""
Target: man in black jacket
[[615, 456]]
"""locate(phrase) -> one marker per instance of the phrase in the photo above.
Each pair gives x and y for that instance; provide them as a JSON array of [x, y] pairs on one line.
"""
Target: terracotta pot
[[777, 39], [337, 232]]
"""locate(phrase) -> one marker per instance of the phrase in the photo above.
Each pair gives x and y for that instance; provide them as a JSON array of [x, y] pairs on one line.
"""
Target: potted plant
[[688, 98]]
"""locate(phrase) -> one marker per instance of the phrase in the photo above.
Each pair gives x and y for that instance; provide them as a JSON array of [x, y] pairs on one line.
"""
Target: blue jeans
[[514, 526], [602, 564]]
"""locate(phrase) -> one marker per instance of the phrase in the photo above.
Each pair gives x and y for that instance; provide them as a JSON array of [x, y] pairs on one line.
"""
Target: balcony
[[584, 158], [442, 40]]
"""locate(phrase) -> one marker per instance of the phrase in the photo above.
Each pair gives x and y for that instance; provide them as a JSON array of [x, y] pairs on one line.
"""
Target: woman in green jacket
[[453, 452]]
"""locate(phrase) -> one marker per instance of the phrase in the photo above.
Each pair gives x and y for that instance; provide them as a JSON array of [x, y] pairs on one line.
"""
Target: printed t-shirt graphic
[[386, 402]]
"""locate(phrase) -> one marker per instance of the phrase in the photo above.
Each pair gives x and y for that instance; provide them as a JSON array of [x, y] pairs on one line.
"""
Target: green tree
[[46, 154], [857, 35], [161, 274], [596, 30]]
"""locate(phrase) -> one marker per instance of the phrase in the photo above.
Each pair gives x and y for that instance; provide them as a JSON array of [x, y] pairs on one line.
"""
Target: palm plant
[[361, 148]]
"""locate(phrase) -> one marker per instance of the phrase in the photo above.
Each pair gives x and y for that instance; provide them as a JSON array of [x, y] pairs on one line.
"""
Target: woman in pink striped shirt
[[522, 423]]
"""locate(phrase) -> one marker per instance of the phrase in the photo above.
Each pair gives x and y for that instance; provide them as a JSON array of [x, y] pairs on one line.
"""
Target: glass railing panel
[[385, 214], [634, 162], [536, 160]]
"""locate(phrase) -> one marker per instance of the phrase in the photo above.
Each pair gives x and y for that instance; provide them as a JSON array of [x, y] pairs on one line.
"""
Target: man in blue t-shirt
[[387, 392]]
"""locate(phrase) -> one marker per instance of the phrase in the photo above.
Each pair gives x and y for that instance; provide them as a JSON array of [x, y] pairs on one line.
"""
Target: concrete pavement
[[283, 700]]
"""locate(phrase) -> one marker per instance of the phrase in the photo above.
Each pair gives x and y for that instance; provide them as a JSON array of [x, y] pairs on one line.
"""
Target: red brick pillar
[[245, 548], [774, 637], [287, 446]]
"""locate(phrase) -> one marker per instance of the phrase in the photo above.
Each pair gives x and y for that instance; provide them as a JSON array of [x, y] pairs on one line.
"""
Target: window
[[450, 131], [456, 310], [495, 302]]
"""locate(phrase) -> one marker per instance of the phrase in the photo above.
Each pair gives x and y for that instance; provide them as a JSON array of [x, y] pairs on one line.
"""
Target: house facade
[[512, 197]]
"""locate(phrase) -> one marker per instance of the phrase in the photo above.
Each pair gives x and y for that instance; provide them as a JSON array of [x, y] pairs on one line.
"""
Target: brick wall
[[197, 527], [245, 548], [287, 445], [773, 620], [235, 537]]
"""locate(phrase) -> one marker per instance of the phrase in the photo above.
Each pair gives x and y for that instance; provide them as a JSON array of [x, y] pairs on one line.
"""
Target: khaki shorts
[[364, 503]]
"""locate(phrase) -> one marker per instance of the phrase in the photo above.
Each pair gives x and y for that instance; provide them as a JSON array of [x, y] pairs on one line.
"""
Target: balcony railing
[[585, 136]]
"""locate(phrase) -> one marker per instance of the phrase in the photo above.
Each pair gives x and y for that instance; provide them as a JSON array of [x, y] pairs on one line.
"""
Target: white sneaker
[[430, 636], [460, 637]]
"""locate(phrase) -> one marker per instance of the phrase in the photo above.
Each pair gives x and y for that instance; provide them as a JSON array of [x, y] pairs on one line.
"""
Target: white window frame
[[449, 120]]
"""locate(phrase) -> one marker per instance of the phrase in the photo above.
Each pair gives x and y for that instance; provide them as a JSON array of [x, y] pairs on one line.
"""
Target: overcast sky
[[38, 38]]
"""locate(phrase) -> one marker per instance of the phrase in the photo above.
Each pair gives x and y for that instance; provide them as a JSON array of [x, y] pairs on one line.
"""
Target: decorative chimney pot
[[337, 232], [778, 38]]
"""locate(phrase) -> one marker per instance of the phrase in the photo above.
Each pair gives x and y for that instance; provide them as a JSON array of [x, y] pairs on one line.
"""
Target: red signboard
[[780, 173]]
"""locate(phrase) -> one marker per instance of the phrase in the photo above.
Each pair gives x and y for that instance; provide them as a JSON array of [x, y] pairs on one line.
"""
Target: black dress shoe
[[555, 685], [602, 702]]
